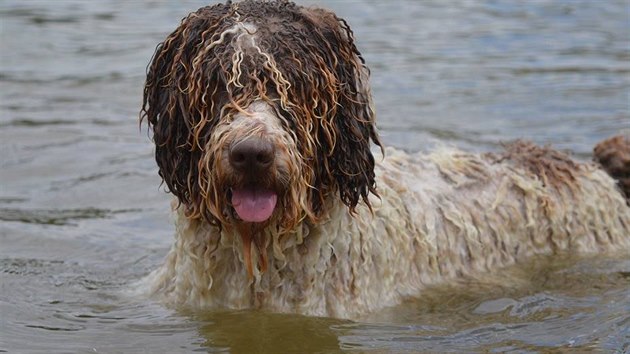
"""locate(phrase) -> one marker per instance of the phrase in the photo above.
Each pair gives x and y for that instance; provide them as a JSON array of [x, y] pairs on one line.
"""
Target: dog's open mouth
[[254, 204]]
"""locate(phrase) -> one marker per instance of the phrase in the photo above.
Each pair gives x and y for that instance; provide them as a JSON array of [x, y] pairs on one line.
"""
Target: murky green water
[[82, 216]]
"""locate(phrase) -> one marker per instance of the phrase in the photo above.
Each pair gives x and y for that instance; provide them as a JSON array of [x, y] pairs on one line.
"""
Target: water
[[82, 216]]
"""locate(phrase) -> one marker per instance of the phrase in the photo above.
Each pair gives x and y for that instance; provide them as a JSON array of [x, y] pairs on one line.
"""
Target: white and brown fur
[[350, 234]]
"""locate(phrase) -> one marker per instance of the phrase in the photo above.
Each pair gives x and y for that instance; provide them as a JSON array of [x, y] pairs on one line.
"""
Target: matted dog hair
[[303, 63]]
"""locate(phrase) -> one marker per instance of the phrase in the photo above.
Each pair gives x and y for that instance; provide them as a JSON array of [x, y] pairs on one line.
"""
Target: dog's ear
[[181, 124], [355, 127], [345, 135]]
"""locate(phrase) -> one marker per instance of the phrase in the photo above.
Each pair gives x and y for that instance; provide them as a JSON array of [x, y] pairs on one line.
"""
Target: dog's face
[[261, 112], [255, 167]]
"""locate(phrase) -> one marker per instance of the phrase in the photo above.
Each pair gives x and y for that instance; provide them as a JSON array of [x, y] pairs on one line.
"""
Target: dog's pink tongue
[[254, 205]]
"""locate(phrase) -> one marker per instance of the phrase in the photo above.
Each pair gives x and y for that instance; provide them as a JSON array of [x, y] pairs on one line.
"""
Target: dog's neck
[[252, 259]]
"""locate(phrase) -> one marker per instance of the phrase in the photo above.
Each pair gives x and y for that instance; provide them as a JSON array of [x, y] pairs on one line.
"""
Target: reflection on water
[[82, 216], [257, 332]]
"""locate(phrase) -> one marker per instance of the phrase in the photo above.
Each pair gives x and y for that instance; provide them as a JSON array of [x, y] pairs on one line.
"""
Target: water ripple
[[57, 217]]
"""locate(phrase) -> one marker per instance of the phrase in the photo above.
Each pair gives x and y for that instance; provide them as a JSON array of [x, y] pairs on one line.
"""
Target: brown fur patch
[[613, 155], [552, 167]]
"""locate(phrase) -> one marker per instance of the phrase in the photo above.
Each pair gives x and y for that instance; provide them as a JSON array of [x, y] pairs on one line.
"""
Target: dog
[[265, 134]]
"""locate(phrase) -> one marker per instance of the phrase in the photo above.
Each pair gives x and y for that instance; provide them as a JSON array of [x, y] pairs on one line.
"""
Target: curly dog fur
[[263, 124]]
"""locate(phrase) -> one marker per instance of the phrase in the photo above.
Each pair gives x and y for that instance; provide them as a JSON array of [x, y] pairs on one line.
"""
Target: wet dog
[[264, 130]]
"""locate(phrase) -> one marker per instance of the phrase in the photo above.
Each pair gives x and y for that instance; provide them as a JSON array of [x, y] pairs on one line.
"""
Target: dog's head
[[261, 111]]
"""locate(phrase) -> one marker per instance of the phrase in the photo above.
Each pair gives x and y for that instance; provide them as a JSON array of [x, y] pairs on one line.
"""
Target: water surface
[[82, 216]]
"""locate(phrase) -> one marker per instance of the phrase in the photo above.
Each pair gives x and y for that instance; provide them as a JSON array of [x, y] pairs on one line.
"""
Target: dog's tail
[[613, 155]]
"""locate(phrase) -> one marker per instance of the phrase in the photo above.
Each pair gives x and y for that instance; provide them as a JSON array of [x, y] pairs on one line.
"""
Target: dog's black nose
[[252, 154]]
